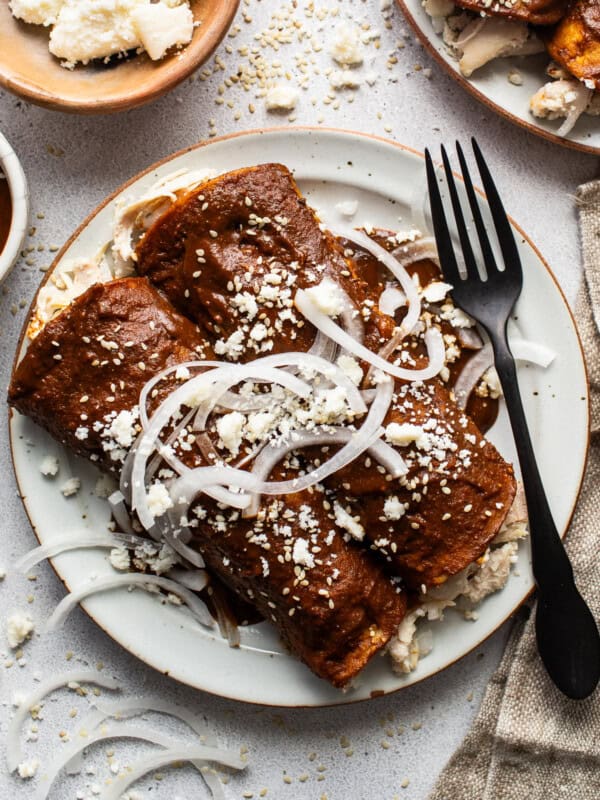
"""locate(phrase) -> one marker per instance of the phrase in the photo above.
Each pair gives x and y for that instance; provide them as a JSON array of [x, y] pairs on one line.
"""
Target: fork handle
[[567, 635]]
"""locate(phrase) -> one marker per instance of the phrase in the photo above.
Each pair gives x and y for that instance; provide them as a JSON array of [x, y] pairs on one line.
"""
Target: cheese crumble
[[19, 626], [84, 30]]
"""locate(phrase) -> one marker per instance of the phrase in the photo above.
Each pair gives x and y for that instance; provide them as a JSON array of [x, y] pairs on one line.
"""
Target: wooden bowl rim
[[186, 64]]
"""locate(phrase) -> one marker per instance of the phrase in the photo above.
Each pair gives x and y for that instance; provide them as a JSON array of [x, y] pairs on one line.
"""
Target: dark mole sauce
[[235, 607], [5, 211], [482, 410]]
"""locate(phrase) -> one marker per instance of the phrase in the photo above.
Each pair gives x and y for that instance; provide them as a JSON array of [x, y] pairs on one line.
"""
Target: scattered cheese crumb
[[402, 434], [348, 523], [19, 626], [27, 769], [119, 558], [281, 98], [229, 428], [301, 554], [159, 500], [347, 48], [327, 297], [393, 508], [71, 487], [49, 466]]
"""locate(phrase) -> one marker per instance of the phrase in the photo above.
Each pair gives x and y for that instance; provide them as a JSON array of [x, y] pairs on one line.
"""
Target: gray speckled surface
[[72, 163]]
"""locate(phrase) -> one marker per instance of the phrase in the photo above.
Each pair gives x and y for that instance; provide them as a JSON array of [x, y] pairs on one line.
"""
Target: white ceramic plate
[[490, 84], [382, 176]]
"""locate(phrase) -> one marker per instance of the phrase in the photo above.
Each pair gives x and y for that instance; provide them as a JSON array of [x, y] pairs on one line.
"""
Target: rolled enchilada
[[327, 563], [111, 340], [252, 227]]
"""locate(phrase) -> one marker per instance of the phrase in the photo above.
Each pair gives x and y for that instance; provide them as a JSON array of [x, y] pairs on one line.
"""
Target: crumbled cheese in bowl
[[83, 30], [36, 12]]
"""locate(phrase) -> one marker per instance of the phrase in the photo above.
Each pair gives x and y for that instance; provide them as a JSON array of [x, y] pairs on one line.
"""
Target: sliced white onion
[[137, 706], [323, 347], [471, 373], [62, 545], [120, 512], [188, 486], [182, 549], [75, 750], [477, 365], [271, 455], [576, 109], [194, 579], [134, 706], [255, 402], [228, 628], [129, 540], [164, 759], [469, 338], [332, 372], [232, 374], [361, 440], [390, 300], [533, 352], [125, 477], [398, 271], [102, 584], [422, 249], [351, 318], [388, 348], [219, 372], [14, 754], [156, 379], [433, 341]]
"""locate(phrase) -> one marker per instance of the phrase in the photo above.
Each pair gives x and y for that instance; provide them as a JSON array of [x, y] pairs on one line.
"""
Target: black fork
[[567, 635]]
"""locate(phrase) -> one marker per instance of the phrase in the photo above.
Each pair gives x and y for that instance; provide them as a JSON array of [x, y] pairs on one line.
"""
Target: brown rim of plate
[[170, 71], [479, 95], [286, 129]]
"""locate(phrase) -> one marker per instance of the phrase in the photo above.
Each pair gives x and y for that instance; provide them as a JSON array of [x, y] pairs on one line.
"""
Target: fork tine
[[503, 227], [486, 249], [440, 226], [470, 262]]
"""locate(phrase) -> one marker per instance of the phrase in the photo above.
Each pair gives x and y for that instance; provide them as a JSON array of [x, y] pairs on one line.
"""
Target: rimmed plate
[[491, 86], [329, 166], [27, 67]]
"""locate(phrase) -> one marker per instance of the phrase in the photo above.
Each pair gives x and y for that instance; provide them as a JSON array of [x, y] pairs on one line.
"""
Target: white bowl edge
[[19, 194]]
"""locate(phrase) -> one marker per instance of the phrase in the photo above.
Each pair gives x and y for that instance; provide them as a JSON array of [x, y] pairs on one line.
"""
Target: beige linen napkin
[[528, 742]]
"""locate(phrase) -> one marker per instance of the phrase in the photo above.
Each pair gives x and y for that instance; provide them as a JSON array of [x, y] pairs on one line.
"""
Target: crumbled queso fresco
[[83, 30], [19, 627]]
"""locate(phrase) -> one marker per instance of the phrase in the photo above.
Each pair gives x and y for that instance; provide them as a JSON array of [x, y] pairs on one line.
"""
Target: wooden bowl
[[28, 69]]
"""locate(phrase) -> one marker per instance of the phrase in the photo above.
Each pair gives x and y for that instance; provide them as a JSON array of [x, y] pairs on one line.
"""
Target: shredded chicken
[[463, 591], [475, 41], [132, 219], [484, 39], [67, 282], [561, 98]]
